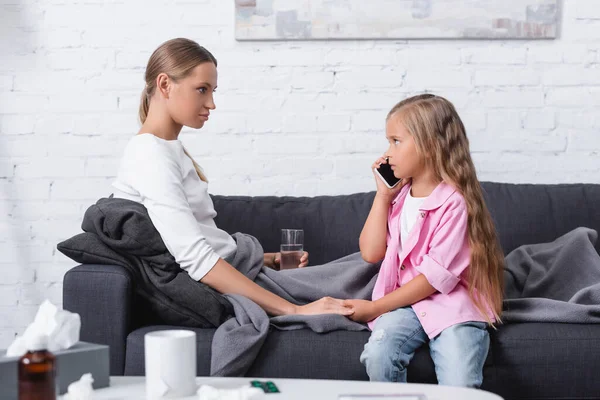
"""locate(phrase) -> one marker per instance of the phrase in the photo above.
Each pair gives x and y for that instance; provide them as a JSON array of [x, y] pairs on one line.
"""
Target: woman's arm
[[224, 278], [227, 280]]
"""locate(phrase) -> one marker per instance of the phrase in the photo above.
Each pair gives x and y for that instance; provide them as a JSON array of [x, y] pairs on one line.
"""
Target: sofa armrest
[[102, 295]]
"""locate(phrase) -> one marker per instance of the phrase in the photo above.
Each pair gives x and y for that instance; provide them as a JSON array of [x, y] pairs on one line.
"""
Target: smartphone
[[387, 175]]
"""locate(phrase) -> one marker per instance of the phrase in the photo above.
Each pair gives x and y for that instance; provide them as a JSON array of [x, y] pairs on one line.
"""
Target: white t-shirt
[[158, 174], [408, 217]]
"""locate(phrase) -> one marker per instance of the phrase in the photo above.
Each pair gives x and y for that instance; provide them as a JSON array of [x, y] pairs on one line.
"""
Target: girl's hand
[[326, 305], [277, 260], [364, 310], [382, 189]]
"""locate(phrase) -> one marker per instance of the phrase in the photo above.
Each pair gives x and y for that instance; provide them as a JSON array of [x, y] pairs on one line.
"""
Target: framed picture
[[395, 19]]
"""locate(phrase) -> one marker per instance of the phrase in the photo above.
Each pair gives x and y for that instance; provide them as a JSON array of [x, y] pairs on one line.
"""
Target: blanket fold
[[554, 282]]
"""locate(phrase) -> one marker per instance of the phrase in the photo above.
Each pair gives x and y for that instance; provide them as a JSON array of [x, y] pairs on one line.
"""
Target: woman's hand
[[326, 305], [269, 261], [364, 310], [273, 260], [303, 260]]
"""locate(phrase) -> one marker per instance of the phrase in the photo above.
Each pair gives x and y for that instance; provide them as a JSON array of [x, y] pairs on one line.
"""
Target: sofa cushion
[[545, 360], [290, 354], [301, 354]]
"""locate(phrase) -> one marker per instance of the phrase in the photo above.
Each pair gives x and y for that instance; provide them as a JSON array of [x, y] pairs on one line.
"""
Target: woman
[[157, 171]]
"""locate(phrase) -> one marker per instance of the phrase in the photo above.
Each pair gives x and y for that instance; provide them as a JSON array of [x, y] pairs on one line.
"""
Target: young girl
[[157, 171], [441, 277]]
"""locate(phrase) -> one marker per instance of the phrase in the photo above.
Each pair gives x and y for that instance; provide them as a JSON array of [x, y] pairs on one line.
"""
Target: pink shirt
[[437, 247]]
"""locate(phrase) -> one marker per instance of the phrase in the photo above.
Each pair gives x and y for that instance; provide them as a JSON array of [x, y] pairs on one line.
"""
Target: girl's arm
[[373, 238], [415, 290], [439, 271]]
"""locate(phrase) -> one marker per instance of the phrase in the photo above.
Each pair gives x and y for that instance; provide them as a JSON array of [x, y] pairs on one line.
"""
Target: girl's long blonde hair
[[176, 58], [441, 139]]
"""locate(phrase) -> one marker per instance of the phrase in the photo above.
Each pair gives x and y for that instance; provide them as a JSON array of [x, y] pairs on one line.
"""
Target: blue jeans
[[458, 352]]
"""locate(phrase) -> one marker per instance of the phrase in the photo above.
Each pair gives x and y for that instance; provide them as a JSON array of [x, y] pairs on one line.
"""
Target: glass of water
[[292, 248]]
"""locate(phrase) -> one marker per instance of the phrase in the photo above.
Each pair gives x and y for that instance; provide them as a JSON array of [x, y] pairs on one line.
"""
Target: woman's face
[[191, 98]]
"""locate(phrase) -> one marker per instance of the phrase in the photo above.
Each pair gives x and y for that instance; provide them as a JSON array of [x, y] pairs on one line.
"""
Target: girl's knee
[[460, 377], [462, 369], [379, 349], [379, 360]]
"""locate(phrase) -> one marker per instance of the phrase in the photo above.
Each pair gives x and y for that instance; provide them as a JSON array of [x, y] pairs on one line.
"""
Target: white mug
[[170, 363]]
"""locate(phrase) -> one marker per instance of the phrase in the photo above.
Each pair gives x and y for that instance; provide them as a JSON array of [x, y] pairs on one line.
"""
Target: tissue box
[[71, 364]]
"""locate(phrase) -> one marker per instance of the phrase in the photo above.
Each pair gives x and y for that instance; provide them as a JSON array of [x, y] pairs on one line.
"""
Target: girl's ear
[[163, 84]]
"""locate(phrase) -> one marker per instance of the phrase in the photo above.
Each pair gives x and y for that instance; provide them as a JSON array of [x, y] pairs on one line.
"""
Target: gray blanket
[[554, 282]]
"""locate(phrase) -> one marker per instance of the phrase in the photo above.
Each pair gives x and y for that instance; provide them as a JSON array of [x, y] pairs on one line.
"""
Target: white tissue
[[81, 389], [61, 326], [244, 393]]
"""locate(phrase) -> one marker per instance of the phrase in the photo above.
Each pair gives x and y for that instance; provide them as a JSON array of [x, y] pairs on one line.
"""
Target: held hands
[[364, 310], [326, 305], [357, 310]]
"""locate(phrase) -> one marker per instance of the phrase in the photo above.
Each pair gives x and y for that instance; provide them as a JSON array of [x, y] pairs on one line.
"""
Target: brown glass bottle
[[37, 372]]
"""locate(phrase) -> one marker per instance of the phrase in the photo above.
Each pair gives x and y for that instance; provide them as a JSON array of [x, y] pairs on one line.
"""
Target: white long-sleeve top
[[158, 174]]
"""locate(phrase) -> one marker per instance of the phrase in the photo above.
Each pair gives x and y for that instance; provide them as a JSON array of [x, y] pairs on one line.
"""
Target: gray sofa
[[526, 360]]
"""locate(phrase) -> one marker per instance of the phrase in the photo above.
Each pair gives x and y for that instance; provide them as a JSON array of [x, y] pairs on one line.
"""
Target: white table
[[133, 388]]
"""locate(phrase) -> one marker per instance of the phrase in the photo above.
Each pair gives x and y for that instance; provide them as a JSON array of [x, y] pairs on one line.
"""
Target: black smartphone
[[387, 175]]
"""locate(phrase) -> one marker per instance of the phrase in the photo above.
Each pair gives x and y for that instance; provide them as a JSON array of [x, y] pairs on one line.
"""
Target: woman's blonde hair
[[176, 58], [441, 139]]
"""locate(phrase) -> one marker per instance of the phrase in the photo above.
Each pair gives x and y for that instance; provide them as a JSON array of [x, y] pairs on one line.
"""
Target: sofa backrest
[[523, 213], [528, 213], [331, 224]]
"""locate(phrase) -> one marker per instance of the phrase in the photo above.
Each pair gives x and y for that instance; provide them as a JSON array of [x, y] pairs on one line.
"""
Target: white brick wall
[[296, 118]]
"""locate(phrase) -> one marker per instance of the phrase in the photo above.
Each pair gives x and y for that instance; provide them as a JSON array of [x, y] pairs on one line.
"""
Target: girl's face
[[191, 98], [402, 153]]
